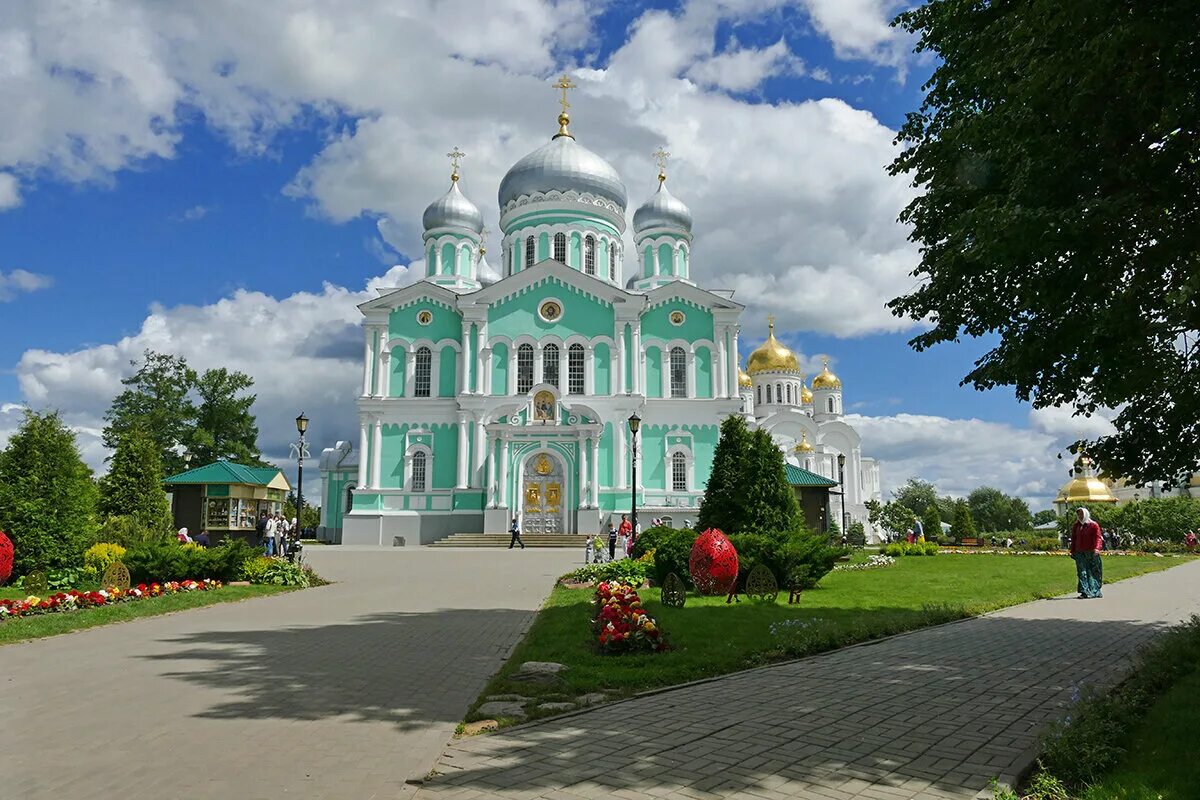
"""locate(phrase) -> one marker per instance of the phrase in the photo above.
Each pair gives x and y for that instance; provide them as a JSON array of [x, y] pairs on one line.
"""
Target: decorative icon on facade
[[424, 317], [543, 407], [550, 311], [677, 318]]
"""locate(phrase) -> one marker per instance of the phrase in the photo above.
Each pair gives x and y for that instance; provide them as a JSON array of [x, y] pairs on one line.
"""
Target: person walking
[[515, 530], [1086, 543], [269, 536], [623, 530], [278, 532], [918, 531]]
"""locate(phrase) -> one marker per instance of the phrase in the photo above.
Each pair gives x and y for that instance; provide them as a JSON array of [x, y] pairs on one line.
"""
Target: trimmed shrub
[[100, 555], [170, 561], [856, 536], [625, 570], [649, 539], [671, 554], [915, 549], [798, 556]]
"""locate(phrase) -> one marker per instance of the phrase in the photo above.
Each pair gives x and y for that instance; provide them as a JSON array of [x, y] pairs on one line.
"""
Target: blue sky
[[228, 178]]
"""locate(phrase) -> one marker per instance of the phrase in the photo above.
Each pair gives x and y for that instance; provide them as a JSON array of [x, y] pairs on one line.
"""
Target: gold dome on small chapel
[[1085, 486], [744, 378], [826, 379], [771, 355], [804, 446], [805, 393]]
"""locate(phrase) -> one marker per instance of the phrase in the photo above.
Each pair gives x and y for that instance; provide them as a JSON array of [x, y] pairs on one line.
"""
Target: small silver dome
[[662, 210], [631, 284], [562, 165], [453, 210], [485, 273]]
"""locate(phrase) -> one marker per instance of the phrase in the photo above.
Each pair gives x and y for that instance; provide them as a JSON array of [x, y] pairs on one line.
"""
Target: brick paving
[[932, 714], [340, 692]]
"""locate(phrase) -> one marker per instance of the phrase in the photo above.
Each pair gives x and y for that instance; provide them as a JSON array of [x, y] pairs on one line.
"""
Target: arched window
[[779, 393], [524, 368], [349, 498], [789, 393], [560, 247], [575, 369], [678, 372], [679, 472], [423, 372], [768, 393], [758, 395], [831, 405], [612, 262], [418, 471], [550, 365], [530, 251], [589, 254]]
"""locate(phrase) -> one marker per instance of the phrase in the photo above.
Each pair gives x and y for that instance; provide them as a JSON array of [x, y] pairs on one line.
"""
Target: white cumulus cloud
[[20, 281]]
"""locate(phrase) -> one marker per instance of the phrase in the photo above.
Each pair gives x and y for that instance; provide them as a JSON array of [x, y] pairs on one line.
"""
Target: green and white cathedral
[[493, 393]]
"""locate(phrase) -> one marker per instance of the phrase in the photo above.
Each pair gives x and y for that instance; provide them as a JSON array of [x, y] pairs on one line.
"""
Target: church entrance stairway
[[502, 540]]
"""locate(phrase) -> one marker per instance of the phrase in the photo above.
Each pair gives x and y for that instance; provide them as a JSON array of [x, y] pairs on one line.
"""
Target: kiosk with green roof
[[225, 498]]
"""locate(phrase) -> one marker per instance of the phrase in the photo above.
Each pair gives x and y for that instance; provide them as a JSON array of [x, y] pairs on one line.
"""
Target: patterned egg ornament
[[714, 563]]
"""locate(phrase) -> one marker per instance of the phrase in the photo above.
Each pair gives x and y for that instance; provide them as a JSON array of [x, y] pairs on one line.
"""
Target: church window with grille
[[679, 472], [530, 249], [575, 365], [768, 393], [418, 471], [831, 405], [678, 372], [789, 393], [758, 395], [560, 247], [423, 372], [589, 254], [524, 368], [612, 262], [550, 365]]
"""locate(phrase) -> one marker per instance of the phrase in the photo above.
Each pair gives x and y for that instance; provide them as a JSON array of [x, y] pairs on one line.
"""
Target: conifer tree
[[932, 520], [47, 496], [133, 485], [769, 504], [963, 526], [722, 504]]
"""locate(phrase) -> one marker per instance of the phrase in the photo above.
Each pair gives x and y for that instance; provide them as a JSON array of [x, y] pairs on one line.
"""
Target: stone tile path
[[932, 714], [339, 692]]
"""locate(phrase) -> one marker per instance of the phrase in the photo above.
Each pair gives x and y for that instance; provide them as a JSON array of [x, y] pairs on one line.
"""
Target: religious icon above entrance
[[543, 407]]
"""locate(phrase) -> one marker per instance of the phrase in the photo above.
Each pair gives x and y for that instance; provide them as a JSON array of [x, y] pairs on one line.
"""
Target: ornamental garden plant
[[621, 624]]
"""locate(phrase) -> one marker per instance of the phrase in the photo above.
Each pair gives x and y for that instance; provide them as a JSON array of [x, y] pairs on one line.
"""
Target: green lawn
[[711, 638], [17, 630], [1162, 762]]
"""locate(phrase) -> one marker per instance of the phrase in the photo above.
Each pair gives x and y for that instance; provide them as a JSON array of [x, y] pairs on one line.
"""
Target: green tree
[[769, 502], [932, 520], [156, 400], [311, 518], [916, 495], [722, 504], [133, 485], [993, 510], [963, 526], [1044, 516], [1055, 154], [47, 496], [892, 517], [224, 426]]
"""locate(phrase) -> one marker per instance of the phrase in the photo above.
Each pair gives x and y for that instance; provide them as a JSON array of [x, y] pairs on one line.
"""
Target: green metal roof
[[226, 472], [802, 477]]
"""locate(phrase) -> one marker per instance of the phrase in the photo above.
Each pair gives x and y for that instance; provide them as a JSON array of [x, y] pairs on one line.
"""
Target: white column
[[717, 377], [493, 497], [435, 373], [380, 367], [386, 374], [504, 472], [564, 378], [614, 368], [594, 441], [583, 498], [638, 365], [691, 374], [368, 358], [483, 363], [620, 458], [619, 379], [537, 366], [464, 359], [477, 476], [410, 372], [512, 370], [589, 370], [463, 453], [720, 367], [734, 362], [363, 439], [376, 454]]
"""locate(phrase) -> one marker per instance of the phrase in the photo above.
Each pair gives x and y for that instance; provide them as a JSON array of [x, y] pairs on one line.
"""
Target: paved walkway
[[339, 692], [932, 714]]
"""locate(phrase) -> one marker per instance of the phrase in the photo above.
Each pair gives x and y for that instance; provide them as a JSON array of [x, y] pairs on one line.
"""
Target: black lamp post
[[635, 422], [302, 427], [842, 487]]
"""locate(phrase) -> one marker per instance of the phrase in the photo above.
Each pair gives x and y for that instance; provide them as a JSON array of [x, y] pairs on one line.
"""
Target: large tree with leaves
[[47, 496], [993, 510], [157, 401], [133, 485], [1057, 154], [224, 426], [722, 504]]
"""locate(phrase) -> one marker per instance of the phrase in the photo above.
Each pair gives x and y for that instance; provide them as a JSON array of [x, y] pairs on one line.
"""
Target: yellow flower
[[33, 600]]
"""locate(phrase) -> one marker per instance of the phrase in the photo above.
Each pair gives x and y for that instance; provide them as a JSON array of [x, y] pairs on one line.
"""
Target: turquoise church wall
[[443, 442], [500, 368], [448, 379], [654, 367], [697, 322], [603, 369], [446, 324], [704, 385], [581, 314], [399, 369]]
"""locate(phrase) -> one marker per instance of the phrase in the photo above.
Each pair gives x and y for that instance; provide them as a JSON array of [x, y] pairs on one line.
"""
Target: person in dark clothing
[[515, 530], [202, 539], [612, 538]]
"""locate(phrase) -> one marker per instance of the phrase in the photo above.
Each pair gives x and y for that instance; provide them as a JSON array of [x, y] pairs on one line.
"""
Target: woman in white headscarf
[[1086, 542], [183, 536]]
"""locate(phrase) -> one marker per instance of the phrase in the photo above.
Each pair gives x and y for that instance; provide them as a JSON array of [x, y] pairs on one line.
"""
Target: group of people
[[201, 539], [276, 534], [625, 534]]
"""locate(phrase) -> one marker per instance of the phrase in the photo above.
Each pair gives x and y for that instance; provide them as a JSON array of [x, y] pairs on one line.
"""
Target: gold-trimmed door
[[542, 495]]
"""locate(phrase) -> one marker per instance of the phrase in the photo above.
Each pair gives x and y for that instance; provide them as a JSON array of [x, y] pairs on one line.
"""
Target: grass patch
[[37, 627], [711, 638]]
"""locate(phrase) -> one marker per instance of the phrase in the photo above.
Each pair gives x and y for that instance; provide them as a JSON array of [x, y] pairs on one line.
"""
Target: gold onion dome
[[805, 393], [826, 379], [744, 378], [771, 356], [804, 446], [1085, 487]]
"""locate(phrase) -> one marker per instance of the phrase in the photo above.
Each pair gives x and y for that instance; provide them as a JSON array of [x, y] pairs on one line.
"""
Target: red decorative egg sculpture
[[714, 563]]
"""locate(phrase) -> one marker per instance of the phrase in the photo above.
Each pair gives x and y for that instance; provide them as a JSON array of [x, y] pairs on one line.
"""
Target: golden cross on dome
[[771, 322], [660, 157], [564, 83], [454, 156], [483, 234]]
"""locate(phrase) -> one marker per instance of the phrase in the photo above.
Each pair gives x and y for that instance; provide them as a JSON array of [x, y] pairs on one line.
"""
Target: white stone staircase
[[502, 540]]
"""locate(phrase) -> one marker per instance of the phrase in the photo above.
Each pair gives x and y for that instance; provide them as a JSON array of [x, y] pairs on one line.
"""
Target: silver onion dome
[[662, 210], [485, 273], [453, 210], [562, 165], [631, 284]]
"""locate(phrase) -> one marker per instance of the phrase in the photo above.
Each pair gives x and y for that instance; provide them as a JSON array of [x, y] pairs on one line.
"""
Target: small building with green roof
[[813, 493], [226, 499]]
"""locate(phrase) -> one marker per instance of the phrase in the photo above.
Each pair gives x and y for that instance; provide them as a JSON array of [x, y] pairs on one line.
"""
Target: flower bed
[[874, 562], [621, 625], [73, 601]]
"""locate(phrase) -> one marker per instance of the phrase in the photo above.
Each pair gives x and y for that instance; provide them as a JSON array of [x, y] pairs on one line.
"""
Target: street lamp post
[[301, 427], [842, 488], [635, 422]]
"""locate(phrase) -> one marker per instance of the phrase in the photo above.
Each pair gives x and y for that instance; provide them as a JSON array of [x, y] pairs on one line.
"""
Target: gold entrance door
[[542, 495]]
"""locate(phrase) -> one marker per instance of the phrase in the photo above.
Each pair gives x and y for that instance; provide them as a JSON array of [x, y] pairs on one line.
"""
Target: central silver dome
[[662, 210], [562, 165]]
